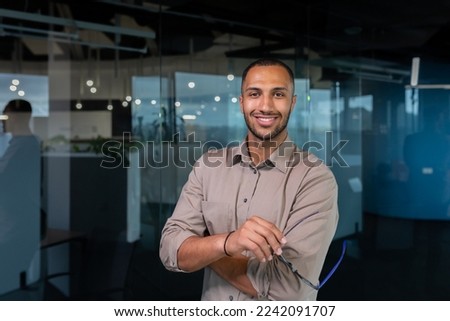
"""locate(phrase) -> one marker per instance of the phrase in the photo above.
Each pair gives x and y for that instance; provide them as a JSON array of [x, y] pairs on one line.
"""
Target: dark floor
[[393, 259]]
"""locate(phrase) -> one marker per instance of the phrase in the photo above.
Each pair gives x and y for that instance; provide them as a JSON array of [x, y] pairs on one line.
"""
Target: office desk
[[57, 236]]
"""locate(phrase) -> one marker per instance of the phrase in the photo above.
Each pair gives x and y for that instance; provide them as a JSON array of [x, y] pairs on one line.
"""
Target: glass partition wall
[[120, 124]]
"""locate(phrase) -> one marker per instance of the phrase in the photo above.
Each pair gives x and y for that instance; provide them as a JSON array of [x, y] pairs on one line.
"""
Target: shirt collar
[[281, 158]]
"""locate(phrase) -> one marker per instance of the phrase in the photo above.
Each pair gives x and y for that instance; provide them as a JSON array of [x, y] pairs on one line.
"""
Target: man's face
[[266, 101]]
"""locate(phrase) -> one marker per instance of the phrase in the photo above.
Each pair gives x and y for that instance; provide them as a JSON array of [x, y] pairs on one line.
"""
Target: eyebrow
[[272, 89]]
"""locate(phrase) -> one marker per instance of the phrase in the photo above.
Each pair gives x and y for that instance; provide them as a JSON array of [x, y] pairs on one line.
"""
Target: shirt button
[[231, 298], [254, 172], [245, 200]]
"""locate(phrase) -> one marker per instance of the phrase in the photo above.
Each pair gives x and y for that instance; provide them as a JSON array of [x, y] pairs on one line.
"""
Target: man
[[245, 206], [20, 187]]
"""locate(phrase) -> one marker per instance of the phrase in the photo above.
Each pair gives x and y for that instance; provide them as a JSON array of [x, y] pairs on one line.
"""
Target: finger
[[259, 246], [246, 238], [270, 226], [272, 235]]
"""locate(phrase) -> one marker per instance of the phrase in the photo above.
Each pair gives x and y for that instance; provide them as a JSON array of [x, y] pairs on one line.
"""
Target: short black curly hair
[[268, 62]]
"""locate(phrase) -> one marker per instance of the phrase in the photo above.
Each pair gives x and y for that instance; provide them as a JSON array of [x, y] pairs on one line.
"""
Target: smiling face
[[266, 101]]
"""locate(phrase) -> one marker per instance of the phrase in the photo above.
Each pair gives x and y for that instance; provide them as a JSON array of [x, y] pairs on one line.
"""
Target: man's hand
[[258, 236]]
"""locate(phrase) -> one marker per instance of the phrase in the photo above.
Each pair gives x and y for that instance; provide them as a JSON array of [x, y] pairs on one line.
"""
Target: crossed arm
[[256, 235]]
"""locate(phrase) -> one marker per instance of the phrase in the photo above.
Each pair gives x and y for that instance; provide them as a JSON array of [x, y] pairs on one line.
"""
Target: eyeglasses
[[305, 280]]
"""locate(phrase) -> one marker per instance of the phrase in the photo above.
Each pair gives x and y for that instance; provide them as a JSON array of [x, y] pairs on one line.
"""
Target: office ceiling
[[384, 30]]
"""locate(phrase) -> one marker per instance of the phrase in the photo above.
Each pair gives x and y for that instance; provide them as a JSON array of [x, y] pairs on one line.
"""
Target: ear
[[294, 101], [241, 103]]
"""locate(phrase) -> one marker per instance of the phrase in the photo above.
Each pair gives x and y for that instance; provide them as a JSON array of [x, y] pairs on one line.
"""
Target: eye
[[279, 94], [254, 94]]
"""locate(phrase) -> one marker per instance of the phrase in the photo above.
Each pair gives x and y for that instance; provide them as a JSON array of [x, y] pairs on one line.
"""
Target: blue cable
[[309, 283]]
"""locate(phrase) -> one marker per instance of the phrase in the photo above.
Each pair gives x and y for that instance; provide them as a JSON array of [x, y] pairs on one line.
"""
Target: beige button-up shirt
[[292, 189]]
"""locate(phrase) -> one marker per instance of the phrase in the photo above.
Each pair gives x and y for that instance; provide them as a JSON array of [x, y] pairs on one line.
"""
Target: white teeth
[[265, 119]]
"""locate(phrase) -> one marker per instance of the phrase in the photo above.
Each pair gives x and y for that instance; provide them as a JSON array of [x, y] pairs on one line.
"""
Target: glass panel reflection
[[20, 199]]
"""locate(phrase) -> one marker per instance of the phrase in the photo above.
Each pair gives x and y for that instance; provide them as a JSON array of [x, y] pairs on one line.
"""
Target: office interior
[[127, 94]]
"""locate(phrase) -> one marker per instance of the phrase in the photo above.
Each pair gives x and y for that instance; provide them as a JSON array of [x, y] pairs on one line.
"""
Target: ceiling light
[[415, 71]]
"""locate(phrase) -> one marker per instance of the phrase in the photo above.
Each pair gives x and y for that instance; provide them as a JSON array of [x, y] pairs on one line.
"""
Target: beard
[[271, 135]]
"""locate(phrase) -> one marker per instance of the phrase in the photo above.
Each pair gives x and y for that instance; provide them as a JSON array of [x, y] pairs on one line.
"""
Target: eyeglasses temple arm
[[344, 249]]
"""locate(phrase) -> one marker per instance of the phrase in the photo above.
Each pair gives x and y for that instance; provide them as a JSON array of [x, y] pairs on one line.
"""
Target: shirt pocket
[[218, 217]]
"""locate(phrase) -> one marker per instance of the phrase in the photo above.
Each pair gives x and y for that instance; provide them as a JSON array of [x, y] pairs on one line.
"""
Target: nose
[[266, 103]]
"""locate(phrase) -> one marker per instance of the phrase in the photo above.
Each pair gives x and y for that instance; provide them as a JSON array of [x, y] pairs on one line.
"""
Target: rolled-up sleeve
[[309, 231], [186, 221]]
